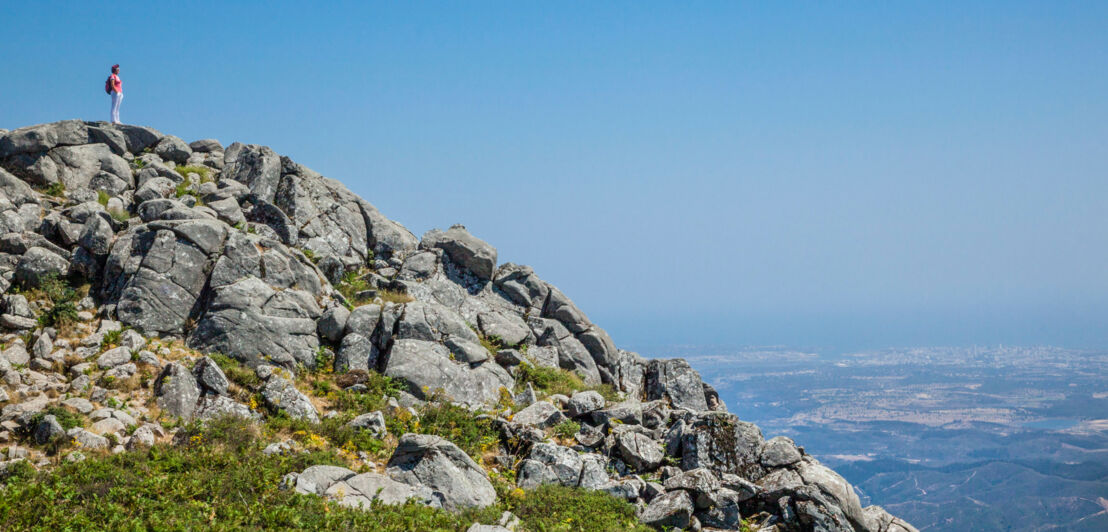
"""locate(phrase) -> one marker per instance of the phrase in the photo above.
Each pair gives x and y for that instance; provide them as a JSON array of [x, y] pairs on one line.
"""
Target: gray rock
[[38, 263], [210, 377], [332, 323], [458, 481], [80, 404], [464, 249], [584, 402], [541, 414], [834, 486], [205, 146], [466, 351], [426, 368], [156, 273], [132, 340], [879, 520], [509, 328], [281, 395], [373, 422], [257, 167], [364, 489], [40, 138], [550, 463], [697, 481], [723, 444], [228, 210], [363, 320], [779, 452], [316, 479], [87, 440], [671, 510], [154, 188], [47, 430], [138, 137], [627, 413], [356, 352], [114, 357], [215, 406], [723, 509], [96, 236], [142, 437], [254, 323], [174, 149], [16, 190], [17, 355], [43, 346], [639, 451], [677, 382], [176, 391]]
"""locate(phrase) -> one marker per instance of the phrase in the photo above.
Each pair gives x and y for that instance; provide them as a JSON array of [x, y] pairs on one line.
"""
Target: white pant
[[116, 98]]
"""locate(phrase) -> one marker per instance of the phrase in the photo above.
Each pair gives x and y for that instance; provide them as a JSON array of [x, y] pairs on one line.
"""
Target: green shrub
[[235, 371], [455, 423], [66, 418], [181, 189], [110, 339], [217, 479], [558, 508], [55, 189], [61, 299], [566, 429], [549, 381], [119, 215], [203, 171], [102, 197]]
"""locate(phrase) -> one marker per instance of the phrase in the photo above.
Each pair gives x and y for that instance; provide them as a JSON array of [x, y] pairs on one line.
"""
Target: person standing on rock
[[115, 88]]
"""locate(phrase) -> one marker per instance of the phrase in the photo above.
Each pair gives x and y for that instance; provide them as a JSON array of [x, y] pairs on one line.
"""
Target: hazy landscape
[[979, 438]]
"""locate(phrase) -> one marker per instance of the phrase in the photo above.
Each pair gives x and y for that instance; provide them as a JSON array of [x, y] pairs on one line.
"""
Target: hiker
[[114, 86]]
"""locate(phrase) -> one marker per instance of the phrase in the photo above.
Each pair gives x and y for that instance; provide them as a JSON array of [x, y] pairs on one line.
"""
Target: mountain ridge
[[239, 261]]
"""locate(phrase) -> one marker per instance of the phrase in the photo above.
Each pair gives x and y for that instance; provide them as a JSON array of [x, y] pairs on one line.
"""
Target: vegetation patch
[[550, 381], [60, 299], [203, 171]]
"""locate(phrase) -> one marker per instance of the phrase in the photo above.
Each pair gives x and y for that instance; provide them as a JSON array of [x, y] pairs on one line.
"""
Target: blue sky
[[874, 174]]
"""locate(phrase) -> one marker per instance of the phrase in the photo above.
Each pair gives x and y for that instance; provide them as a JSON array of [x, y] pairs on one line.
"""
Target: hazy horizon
[[888, 175]]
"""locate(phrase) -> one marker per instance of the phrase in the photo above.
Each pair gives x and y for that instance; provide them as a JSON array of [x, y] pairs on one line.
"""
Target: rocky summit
[[155, 290]]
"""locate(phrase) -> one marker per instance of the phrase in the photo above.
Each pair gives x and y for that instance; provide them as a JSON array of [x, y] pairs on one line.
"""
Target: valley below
[[978, 438]]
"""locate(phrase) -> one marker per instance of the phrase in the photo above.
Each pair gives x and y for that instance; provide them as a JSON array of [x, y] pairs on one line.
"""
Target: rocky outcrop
[[249, 254]]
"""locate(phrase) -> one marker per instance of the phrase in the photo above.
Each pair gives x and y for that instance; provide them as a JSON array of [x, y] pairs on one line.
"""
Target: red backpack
[[108, 85]]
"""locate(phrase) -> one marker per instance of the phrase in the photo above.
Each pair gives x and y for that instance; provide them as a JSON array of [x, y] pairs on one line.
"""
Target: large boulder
[[427, 369], [174, 149], [38, 263], [15, 190], [43, 137], [464, 249], [176, 391], [675, 381], [835, 487], [723, 444], [431, 461], [281, 395], [361, 491], [671, 510], [255, 323], [257, 167], [550, 463], [156, 273]]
